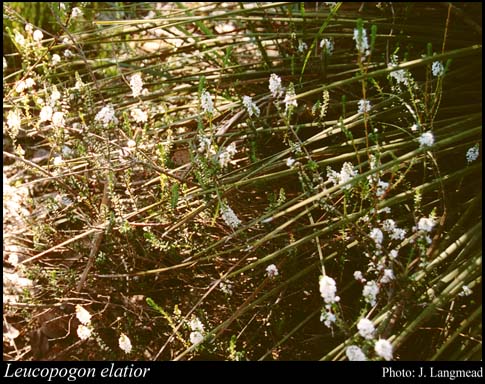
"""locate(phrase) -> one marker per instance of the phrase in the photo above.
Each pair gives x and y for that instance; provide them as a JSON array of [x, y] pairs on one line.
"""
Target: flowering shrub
[[215, 188]]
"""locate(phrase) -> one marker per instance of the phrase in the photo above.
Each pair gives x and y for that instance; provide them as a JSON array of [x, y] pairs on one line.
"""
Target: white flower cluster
[[226, 287], [272, 271], [426, 139], [359, 276], [289, 162], [381, 188], [472, 153], [425, 224], [402, 75], [226, 155], [290, 101], [250, 106], [206, 146], [384, 349], [125, 343], [37, 35], [76, 12], [229, 216], [388, 276], [302, 46], [361, 42], [437, 69], [395, 233], [465, 291], [275, 86], [328, 290], [56, 59], [328, 318], [354, 353], [206, 102], [327, 46], [136, 84], [346, 173], [364, 106], [84, 329], [138, 115], [197, 331], [370, 292], [14, 120], [366, 328], [377, 235], [106, 115]]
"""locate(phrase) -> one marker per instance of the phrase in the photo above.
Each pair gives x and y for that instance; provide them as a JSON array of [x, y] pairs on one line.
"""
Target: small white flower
[[366, 328], [384, 349], [55, 95], [46, 113], [205, 145], [83, 332], [358, 276], [426, 139], [400, 76], [14, 120], [29, 28], [83, 315], [68, 53], [393, 254], [56, 59], [20, 86], [139, 116], [252, 108], [58, 161], [328, 289], [38, 35], [29, 82], [370, 292], [290, 101], [272, 270], [414, 127], [131, 143], [106, 115], [388, 276], [364, 106], [19, 38], [465, 291], [302, 46], [125, 343], [196, 325], [398, 234], [229, 216], [388, 225], [437, 69], [327, 45], [376, 235], [226, 288], [58, 119], [346, 173], [275, 85], [136, 84], [290, 162], [354, 353], [206, 102], [361, 42], [196, 337], [472, 153], [76, 12], [226, 155], [328, 318], [425, 224]]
